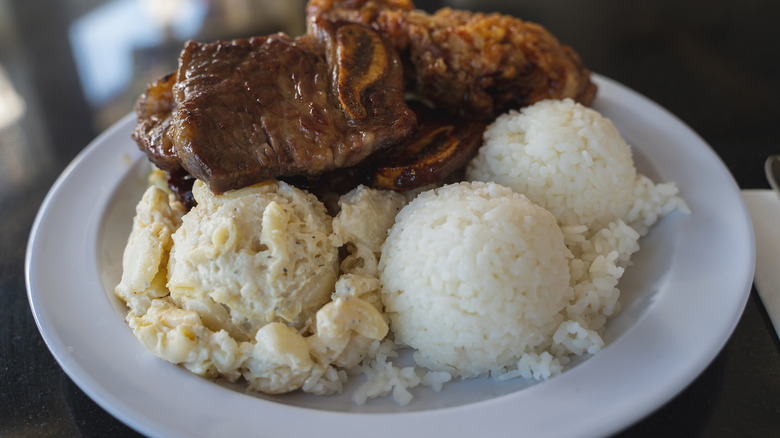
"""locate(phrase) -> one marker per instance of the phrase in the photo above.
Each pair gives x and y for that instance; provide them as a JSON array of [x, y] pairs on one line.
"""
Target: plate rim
[[449, 418]]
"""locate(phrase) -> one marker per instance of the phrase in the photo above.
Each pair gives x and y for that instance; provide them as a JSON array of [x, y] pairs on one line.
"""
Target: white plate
[[681, 302]]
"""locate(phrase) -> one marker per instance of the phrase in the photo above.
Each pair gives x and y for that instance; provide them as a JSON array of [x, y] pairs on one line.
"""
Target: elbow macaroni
[[247, 284]]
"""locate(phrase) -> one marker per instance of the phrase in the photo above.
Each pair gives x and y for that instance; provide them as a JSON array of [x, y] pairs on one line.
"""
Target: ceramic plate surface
[[656, 346]]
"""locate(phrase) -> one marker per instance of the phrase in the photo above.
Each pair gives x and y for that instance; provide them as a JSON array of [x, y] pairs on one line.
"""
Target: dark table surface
[[70, 68]]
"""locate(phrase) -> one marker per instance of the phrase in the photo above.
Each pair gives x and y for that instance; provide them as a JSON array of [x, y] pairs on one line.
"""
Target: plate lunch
[[655, 347]]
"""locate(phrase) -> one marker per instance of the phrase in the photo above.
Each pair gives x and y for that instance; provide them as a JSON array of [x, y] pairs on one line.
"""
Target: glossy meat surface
[[247, 110]]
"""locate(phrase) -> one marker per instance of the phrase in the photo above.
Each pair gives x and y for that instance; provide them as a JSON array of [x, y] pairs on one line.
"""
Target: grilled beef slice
[[152, 132], [247, 110]]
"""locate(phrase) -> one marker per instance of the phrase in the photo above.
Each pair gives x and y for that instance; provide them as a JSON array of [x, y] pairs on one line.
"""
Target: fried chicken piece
[[477, 64]]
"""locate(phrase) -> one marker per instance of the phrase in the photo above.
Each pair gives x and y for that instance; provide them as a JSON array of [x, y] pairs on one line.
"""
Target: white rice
[[481, 281], [564, 156], [474, 276]]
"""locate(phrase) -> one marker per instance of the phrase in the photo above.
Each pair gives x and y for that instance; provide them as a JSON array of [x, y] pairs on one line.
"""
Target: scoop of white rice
[[474, 277], [563, 156]]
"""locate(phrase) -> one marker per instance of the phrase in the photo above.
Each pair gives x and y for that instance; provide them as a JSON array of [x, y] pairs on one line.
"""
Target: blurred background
[[71, 68]]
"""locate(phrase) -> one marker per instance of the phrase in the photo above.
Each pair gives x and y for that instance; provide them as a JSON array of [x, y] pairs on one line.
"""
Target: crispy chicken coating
[[478, 64]]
